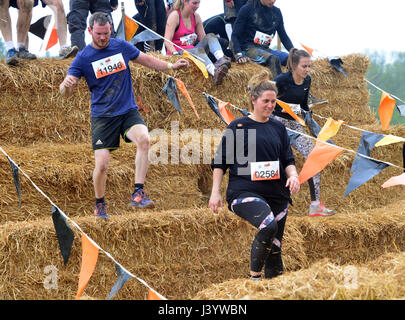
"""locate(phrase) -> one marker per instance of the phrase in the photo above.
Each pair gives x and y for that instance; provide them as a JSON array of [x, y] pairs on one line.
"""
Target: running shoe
[[100, 210], [11, 57], [140, 199], [68, 52], [254, 278], [312, 101], [224, 60], [320, 210], [25, 54], [220, 73]]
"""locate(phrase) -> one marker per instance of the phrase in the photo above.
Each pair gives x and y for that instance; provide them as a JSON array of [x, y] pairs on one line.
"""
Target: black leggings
[[270, 219]]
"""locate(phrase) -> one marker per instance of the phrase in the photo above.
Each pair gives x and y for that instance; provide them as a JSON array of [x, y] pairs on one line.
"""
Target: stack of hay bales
[[179, 248]]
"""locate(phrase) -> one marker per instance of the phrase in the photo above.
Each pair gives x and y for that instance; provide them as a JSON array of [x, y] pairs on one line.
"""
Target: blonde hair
[[179, 4], [258, 84]]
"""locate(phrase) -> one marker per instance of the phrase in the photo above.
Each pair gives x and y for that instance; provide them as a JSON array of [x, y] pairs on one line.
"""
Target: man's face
[[268, 3], [100, 35]]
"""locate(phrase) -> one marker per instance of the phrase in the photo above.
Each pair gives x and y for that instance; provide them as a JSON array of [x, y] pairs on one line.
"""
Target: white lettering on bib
[[106, 66], [265, 170], [188, 40], [262, 39]]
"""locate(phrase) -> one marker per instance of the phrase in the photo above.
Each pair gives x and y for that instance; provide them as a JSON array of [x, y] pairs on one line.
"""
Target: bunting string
[[78, 227]]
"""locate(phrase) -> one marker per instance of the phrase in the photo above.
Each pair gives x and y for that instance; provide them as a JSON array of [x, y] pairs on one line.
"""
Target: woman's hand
[[293, 183], [215, 202]]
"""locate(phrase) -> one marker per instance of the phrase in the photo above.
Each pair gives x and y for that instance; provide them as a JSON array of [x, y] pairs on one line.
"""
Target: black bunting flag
[[123, 277], [16, 179], [171, 91], [64, 233]]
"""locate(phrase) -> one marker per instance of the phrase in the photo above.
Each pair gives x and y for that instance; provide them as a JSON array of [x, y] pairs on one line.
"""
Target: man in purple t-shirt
[[105, 65]]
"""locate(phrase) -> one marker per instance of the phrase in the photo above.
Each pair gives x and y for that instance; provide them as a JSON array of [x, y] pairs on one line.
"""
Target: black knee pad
[[267, 234]]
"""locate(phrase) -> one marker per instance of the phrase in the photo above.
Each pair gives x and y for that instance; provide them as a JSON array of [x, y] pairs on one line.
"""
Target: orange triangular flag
[[318, 159], [89, 261], [225, 113], [198, 63], [180, 84], [330, 128], [130, 28], [53, 39], [286, 107], [386, 109], [152, 295], [310, 50], [394, 181]]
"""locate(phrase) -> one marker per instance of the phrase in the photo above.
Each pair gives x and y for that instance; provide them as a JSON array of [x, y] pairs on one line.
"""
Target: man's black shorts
[[106, 131]]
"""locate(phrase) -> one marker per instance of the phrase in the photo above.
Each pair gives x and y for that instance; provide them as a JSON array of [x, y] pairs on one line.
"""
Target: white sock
[[9, 45], [315, 203], [218, 54], [211, 69], [228, 29]]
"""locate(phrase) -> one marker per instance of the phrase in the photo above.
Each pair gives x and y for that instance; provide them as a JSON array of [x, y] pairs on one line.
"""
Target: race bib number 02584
[[109, 65], [266, 170]]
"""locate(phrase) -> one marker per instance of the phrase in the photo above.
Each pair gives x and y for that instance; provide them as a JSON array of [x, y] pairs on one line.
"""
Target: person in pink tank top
[[185, 31]]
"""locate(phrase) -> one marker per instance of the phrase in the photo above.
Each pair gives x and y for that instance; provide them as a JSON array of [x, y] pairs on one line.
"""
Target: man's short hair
[[101, 18]]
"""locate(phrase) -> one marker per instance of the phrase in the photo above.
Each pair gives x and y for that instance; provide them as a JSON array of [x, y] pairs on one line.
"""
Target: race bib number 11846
[[109, 65]]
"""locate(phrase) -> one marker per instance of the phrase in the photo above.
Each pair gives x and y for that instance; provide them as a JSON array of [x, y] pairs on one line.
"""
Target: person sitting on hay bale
[[293, 88], [184, 28], [105, 65], [259, 184], [253, 31]]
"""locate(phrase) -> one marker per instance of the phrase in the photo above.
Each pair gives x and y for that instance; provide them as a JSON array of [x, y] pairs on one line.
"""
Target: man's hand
[[67, 85], [181, 63], [229, 4]]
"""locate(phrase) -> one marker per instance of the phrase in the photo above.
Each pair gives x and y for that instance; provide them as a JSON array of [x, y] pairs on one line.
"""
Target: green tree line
[[387, 71]]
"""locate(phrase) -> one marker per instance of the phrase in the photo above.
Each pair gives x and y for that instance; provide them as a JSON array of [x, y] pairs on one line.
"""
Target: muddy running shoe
[[254, 278], [312, 101], [11, 57], [68, 52], [140, 199], [220, 73], [223, 60], [319, 210], [25, 54], [100, 210]]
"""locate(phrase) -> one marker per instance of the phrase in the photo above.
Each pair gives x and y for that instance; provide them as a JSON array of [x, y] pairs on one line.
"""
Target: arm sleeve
[[75, 68], [114, 3], [238, 30], [224, 156], [287, 156], [131, 50], [285, 39], [304, 104]]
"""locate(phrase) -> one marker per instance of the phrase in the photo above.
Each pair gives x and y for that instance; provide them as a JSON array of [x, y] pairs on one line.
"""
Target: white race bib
[[265, 170], [106, 66], [188, 40], [262, 39]]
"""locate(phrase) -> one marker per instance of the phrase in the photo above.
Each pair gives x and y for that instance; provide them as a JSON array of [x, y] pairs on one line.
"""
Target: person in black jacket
[[77, 17], [255, 27], [262, 175]]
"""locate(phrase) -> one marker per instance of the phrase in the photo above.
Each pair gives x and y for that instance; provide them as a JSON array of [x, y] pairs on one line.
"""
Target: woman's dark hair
[[294, 58], [101, 18]]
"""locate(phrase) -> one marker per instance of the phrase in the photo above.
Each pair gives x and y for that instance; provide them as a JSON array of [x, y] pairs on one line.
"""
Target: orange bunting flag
[[330, 128], [318, 159], [130, 28], [310, 50], [53, 39], [386, 110], [89, 261], [152, 295], [198, 63], [394, 181], [286, 107], [225, 113], [182, 87]]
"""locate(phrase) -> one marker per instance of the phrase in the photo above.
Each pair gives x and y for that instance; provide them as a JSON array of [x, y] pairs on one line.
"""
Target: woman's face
[[303, 67], [192, 5], [264, 105]]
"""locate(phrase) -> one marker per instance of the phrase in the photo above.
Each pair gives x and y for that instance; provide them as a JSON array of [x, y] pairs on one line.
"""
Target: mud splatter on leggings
[[304, 146]]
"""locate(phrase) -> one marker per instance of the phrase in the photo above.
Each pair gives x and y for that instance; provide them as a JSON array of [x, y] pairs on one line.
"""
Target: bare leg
[[102, 158], [5, 21], [60, 19], [139, 135], [24, 19]]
